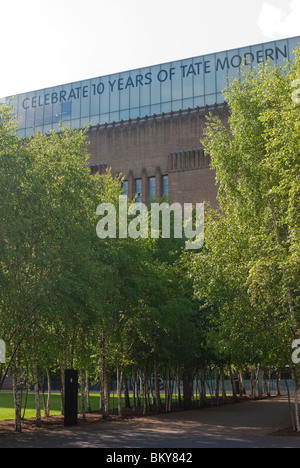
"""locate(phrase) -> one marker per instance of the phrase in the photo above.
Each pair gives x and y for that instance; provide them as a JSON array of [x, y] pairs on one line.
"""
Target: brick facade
[[156, 146]]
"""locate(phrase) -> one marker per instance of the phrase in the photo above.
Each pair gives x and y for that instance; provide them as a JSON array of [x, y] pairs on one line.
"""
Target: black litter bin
[[237, 387], [71, 398]]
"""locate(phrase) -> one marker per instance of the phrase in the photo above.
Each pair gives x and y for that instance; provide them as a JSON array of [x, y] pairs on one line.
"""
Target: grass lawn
[[7, 410]]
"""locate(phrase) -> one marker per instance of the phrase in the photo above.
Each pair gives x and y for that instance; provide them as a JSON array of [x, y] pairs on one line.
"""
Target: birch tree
[[50, 266], [256, 158]]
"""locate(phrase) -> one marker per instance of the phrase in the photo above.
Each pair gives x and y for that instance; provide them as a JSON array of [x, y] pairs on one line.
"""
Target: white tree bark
[[17, 399], [37, 395]]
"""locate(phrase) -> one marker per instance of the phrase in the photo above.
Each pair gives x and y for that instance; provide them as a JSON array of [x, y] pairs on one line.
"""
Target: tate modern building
[[147, 124]]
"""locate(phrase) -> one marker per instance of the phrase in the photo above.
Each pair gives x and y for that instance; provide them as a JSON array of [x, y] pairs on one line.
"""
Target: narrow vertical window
[[138, 190], [166, 185], [152, 192], [125, 187]]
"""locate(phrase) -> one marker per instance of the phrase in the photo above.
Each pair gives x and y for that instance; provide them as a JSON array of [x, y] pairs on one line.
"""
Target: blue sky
[[46, 43]]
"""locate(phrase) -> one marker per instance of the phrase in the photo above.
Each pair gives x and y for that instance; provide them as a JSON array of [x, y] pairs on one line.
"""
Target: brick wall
[[156, 146]]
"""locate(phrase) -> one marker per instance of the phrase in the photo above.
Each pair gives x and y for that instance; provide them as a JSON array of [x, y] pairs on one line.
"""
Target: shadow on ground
[[247, 424]]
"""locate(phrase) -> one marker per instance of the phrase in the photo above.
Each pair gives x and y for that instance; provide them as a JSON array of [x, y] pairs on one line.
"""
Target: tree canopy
[[141, 309]]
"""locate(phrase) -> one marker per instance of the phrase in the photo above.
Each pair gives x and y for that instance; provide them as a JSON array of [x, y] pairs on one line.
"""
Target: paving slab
[[251, 424]]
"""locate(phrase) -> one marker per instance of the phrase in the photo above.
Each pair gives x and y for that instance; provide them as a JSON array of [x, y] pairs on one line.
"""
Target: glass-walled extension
[[165, 88]]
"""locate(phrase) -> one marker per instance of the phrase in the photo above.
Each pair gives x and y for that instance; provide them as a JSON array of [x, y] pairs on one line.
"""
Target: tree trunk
[[217, 381], [156, 385], [278, 383], [178, 389], [120, 387], [153, 399], [269, 383], [166, 393], [141, 387], [242, 383], [48, 405], [101, 388], [25, 402], [134, 390], [232, 383], [296, 406], [145, 405], [104, 390], [37, 394], [296, 402], [17, 399], [104, 394], [126, 393], [198, 391], [107, 394], [63, 389], [42, 382], [82, 389], [171, 387], [252, 383], [203, 388], [259, 380], [290, 406], [187, 390], [223, 385], [87, 390]]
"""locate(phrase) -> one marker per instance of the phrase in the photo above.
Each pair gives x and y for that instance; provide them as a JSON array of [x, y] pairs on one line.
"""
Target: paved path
[[247, 424]]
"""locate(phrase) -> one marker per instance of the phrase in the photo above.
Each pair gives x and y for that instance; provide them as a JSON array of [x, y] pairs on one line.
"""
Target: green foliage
[[249, 270], [69, 299]]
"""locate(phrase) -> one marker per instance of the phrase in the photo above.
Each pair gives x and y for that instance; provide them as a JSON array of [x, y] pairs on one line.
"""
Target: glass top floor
[[173, 86]]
